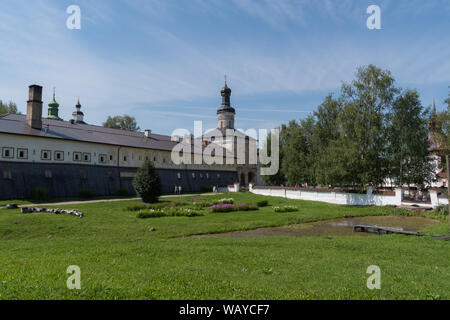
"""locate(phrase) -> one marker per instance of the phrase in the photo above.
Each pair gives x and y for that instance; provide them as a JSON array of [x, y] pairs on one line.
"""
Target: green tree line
[[371, 131], [10, 107]]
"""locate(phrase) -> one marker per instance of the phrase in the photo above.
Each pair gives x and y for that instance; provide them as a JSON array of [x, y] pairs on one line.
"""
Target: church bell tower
[[225, 114]]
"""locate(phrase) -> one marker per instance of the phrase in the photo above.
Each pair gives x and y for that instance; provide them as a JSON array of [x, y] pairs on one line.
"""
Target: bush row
[[285, 209], [168, 212], [233, 207]]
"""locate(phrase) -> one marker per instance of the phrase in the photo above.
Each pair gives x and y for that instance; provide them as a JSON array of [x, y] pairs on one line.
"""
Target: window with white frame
[[8, 152], [46, 155], [22, 153], [77, 156], [102, 158], [86, 157], [59, 155]]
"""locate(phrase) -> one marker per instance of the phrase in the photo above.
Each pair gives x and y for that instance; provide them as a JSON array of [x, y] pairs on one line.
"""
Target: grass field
[[121, 259]]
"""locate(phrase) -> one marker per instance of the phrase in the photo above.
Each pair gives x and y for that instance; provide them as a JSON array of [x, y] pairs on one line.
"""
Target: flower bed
[[168, 212], [285, 209], [207, 204], [227, 207]]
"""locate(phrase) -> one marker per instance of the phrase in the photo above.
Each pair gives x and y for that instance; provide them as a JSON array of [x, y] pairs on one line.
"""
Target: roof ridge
[[85, 127]]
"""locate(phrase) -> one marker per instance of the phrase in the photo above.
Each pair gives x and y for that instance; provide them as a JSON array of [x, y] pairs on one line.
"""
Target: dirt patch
[[335, 227]]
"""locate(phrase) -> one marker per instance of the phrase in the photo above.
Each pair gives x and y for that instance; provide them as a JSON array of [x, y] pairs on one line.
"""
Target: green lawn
[[121, 259]]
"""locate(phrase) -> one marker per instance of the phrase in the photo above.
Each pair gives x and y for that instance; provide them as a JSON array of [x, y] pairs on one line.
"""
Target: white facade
[[30, 149]]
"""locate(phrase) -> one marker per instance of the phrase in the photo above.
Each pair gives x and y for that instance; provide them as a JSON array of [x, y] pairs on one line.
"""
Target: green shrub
[[224, 201], [85, 193], [182, 212], [168, 212], [122, 192], [221, 209], [147, 183], [246, 207], [285, 209], [206, 189], [39, 194], [227, 207], [150, 214], [262, 203], [441, 210]]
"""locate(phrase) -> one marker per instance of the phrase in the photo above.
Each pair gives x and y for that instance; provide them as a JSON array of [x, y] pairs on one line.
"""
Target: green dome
[[53, 107]]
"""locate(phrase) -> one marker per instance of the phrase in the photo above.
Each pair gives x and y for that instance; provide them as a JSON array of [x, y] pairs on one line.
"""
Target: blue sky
[[163, 61]]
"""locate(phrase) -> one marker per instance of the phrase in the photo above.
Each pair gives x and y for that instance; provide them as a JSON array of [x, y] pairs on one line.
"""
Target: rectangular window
[[86, 157], [59, 155], [22, 153], [8, 152], [179, 175], [77, 156], [125, 158], [46, 155], [102, 158], [110, 158]]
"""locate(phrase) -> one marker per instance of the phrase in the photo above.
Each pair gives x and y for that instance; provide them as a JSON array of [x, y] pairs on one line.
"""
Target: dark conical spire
[[78, 116], [226, 94]]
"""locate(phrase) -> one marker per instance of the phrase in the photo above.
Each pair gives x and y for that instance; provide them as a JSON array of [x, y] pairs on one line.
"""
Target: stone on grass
[[55, 211]]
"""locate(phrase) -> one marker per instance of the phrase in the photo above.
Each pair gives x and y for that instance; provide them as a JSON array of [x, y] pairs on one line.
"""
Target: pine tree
[[147, 183]]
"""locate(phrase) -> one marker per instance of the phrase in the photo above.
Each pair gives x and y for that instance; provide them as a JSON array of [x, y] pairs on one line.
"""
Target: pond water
[[335, 227]]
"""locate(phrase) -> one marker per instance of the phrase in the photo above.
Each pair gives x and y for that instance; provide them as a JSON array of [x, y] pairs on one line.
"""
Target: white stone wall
[[347, 198]]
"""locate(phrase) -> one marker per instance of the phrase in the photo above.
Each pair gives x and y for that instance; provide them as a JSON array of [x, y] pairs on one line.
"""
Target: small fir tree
[[147, 183]]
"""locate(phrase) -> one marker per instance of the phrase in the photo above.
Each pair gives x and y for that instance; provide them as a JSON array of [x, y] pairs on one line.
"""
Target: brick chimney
[[34, 107]]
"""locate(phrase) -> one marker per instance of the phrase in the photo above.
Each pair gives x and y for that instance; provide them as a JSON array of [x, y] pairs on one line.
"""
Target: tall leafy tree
[[369, 132], [125, 122], [327, 130], [408, 143], [366, 101], [298, 166]]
